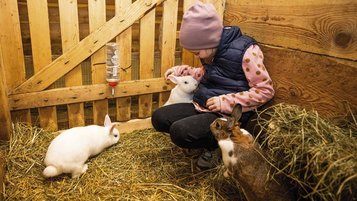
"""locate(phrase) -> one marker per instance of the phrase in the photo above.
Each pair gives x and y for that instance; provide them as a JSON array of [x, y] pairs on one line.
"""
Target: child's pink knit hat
[[201, 27]]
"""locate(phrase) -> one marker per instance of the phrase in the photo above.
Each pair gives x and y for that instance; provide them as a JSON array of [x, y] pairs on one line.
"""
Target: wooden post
[[12, 52], [41, 53], [125, 46], [97, 17], [147, 49], [168, 42], [70, 37], [5, 117]]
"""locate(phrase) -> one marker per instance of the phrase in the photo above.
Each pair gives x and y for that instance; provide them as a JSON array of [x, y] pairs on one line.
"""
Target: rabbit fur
[[244, 161], [69, 151], [183, 91]]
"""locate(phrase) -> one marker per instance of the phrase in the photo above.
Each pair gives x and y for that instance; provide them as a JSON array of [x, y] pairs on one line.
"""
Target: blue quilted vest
[[225, 74]]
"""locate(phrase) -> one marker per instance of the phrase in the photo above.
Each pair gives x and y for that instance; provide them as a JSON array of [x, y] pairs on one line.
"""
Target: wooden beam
[[123, 105], [86, 93], [68, 11], [97, 17], [5, 117], [41, 53], [146, 68], [96, 40], [168, 41], [11, 43], [134, 124], [12, 51]]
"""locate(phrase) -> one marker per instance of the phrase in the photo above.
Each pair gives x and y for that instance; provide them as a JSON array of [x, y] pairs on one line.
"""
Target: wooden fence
[[38, 93]]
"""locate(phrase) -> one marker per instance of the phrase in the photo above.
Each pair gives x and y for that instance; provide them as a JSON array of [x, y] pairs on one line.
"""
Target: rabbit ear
[[173, 78], [107, 121], [230, 123], [236, 114], [112, 128]]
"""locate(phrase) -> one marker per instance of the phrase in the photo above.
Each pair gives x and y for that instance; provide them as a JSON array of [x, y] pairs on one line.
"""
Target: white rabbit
[[68, 152], [183, 91]]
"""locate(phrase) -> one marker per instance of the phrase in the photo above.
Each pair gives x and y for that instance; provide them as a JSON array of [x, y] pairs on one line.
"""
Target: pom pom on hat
[[201, 27]]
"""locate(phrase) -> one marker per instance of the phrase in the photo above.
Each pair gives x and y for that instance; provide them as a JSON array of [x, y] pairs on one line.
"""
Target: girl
[[232, 73]]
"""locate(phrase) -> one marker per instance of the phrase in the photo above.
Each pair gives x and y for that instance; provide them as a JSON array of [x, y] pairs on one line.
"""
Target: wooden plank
[[12, 51], [123, 110], [87, 93], [21, 116], [68, 12], [96, 40], [312, 81], [11, 43], [147, 50], [168, 40], [5, 117], [41, 53], [97, 17], [319, 26], [134, 124]]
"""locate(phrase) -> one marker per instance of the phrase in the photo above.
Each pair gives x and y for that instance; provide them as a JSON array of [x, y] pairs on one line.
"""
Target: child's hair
[[201, 27]]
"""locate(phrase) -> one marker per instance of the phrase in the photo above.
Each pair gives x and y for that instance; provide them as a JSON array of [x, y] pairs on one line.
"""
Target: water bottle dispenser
[[113, 68]]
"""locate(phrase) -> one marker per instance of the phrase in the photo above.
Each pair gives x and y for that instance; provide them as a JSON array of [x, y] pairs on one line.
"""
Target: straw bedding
[[318, 156], [144, 165]]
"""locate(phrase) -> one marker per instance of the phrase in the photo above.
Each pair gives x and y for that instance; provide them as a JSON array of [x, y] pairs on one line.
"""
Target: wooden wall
[[310, 49], [309, 46]]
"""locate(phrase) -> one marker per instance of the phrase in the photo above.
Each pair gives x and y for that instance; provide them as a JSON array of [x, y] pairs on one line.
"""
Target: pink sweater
[[261, 86]]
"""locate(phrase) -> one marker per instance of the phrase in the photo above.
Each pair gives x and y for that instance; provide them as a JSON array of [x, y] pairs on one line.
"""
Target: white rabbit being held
[[69, 151], [183, 91]]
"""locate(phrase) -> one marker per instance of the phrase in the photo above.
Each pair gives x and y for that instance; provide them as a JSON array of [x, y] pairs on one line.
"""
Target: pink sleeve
[[261, 86], [184, 70]]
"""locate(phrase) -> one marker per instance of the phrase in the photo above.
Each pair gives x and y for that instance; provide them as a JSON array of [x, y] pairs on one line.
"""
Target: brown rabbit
[[243, 159]]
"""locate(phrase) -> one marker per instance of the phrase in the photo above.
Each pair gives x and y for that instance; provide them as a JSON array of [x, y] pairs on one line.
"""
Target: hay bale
[[144, 165], [316, 154]]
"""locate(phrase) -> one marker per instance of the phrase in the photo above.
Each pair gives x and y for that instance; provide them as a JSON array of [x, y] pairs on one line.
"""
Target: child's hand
[[214, 104], [168, 72]]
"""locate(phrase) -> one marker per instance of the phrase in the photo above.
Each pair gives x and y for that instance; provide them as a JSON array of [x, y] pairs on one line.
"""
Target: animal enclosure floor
[[144, 165]]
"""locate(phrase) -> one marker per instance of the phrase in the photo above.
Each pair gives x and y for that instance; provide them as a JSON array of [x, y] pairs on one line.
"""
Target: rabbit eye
[[218, 125], [185, 82], [115, 135]]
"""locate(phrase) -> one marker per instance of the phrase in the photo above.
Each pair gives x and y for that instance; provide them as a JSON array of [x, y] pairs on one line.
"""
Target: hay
[[144, 165], [318, 156]]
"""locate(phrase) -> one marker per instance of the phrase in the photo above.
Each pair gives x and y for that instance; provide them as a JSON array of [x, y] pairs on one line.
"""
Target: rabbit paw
[[85, 168], [79, 170]]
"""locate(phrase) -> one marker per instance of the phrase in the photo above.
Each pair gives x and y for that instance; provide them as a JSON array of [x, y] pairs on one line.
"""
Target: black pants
[[187, 127]]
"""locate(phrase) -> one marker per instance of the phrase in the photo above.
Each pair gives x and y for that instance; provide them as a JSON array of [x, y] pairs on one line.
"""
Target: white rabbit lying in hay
[[244, 161], [68, 152], [183, 91]]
